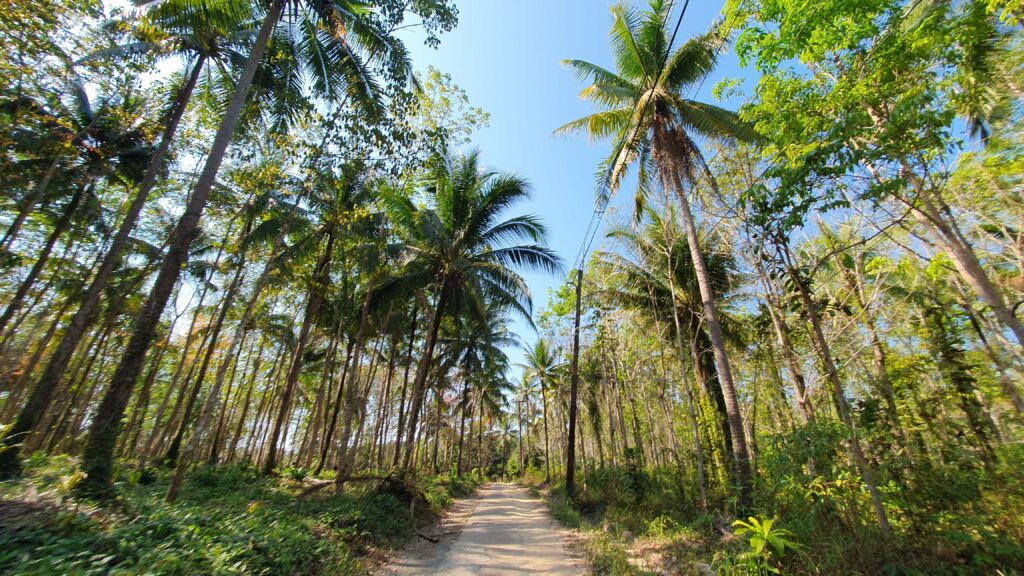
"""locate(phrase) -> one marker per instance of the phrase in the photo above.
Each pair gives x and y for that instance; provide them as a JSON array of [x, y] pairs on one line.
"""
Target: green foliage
[[767, 546], [227, 521], [764, 537], [440, 490], [296, 473]]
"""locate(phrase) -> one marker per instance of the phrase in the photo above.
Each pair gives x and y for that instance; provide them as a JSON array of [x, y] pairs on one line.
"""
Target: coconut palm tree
[[541, 365], [478, 347], [333, 35], [462, 251], [200, 35], [653, 277], [645, 112]]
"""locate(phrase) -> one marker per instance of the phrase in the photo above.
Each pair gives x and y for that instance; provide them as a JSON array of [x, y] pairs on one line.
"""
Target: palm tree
[[651, 122], [201, 34], [542, 365], [462, 251], [478, 350], [332, 37], [111, 140], [653, 277], [523, 392], [492, 395]]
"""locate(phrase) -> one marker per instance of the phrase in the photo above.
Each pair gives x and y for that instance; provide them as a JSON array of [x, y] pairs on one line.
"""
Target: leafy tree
[[462, 251]]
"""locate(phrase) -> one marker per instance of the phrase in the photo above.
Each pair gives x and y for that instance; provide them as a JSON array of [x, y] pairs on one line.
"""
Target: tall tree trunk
[[59, 227], [418, 388], [231, 401], [52, 375], [788, 355], [346, 455], [739, 441], [97, 459], [522, 461], [318, 284], [842, 405], [547, 442], [953, 366], [698, 447], [30, 203], [134, 428], [437, 425], [931, 211], [1005, 380], [462, 427], [232, 447], [336, 410], [171, 458], [855, 284], [570, 468], [405, 385], [213, 398], [156, 434]]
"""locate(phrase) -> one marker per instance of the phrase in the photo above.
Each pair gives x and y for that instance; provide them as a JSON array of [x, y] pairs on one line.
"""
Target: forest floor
[[500, 530], [227, 520]]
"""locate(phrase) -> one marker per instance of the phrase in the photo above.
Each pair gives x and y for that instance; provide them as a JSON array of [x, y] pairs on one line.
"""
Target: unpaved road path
[[503, 532]]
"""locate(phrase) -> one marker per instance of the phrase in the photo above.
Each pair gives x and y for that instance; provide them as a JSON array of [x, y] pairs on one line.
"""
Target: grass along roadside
[[664, 548], [228, 520], [641, 522]]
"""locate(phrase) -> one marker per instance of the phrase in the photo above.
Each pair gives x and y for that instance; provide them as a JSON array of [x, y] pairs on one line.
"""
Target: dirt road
[[500, 531]]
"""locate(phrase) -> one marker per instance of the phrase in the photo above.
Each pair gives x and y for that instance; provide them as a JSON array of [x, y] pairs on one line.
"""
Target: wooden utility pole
[[570, 469], [519, 411]]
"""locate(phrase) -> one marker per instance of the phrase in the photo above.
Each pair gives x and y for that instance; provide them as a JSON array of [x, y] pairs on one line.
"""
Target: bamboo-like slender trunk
[[399, 428], [842, 405], [314, 301]]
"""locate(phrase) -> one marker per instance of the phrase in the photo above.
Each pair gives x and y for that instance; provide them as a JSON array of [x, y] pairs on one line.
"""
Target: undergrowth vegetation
[[648, 521], [228, 520]]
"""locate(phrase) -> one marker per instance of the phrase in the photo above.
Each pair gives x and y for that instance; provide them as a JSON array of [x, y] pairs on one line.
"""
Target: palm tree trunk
[[156, 435], [44, 255], [12, 231], [739, 441], [462, 428], [346, 455], [405, 385], [383, 408], [52, 375], [437, 425], [97, 459], [418, 388], [231, 400], [232, 447], [547, 444], [317, 286], [213, 335], [134, 428], [213, 398], [522, 461], [333, 422]]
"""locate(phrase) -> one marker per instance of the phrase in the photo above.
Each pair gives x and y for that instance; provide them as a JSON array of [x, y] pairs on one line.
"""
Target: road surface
[[501, 531]]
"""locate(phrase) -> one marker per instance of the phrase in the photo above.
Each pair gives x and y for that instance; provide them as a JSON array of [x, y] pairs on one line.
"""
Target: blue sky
[[506, 55]]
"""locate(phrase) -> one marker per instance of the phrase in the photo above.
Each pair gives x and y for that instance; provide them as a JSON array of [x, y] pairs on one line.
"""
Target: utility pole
[[570, 469], [519, 410]]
